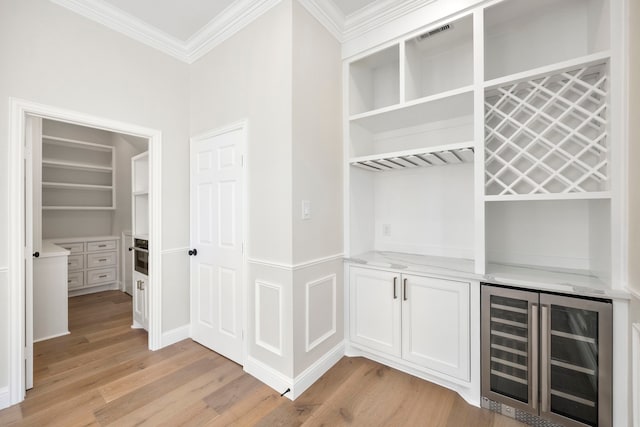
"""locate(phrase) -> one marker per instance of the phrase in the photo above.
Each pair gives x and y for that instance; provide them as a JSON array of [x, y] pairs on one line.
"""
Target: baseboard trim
[[175, 335], [274, 379], [310, 375], [5, 401], [635, 393], [52, 336]]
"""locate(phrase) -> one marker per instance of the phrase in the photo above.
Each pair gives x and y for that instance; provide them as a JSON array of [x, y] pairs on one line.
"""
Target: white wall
[[317, 177], [53, 56]]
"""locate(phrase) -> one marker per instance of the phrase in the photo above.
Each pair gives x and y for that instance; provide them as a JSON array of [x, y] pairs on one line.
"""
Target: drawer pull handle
[[68, 281], [102, 276], [395, 293], [102, 246], [102, 260], [404, 289]]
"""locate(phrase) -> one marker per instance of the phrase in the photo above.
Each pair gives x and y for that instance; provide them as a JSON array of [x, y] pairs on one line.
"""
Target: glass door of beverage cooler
[[509, 336], [575, 353]]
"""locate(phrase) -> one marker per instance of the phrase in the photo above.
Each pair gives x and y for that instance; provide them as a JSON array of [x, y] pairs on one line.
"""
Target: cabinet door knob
[[36, 254]]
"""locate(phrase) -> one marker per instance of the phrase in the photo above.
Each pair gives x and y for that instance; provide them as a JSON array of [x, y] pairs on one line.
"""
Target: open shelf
[[75, 165], [78, 208], [425, 157], [522, 35], [439, 59], [75, 144], [64, 185], [432, 108], [375, 81]]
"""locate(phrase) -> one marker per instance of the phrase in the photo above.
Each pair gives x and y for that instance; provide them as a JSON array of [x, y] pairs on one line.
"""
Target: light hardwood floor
[[103, 374]]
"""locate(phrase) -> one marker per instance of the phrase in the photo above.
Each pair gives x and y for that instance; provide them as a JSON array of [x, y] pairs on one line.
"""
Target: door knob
[[193, 252], [36, 254]]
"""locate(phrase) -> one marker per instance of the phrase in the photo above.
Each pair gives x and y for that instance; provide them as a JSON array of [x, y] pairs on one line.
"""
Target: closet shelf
[[559, 67], [75, 165], [74, 143], [64, 185], [421, 157], [78, 208], [439, 107]]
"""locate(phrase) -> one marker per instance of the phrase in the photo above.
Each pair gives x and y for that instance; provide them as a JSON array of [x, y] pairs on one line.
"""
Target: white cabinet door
[[140, 304], [375, 309], [435, 324]]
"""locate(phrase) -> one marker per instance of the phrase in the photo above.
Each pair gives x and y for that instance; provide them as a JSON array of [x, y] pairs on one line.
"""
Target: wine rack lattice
[[548, 134]]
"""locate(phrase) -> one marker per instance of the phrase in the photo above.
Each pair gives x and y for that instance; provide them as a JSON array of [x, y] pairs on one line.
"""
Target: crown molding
[[378, 14], [124, 23], [235, 17], [360, 22], [238, 15]]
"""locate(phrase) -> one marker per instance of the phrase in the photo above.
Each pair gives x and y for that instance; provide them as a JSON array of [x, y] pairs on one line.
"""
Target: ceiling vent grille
[[434, 32]]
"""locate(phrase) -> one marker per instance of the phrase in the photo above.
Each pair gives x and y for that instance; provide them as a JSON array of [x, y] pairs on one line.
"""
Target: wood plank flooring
[[102, 374]]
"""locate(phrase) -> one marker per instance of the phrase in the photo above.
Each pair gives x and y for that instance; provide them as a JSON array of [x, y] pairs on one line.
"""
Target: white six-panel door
[[217, 236]]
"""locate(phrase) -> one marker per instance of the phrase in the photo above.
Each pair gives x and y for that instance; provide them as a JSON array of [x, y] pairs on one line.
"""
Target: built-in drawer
[[75, 280], [75, 262], [104, 245], [102, 275], [101, 259], [74, 248]]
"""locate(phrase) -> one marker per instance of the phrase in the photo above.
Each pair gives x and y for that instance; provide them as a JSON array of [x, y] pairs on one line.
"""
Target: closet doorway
[[64, 192]]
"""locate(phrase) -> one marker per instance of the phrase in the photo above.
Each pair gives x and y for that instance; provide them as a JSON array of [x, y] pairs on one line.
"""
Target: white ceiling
[[188, 29]]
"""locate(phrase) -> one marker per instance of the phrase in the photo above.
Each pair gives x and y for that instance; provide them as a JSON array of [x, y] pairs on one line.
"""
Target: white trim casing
[[18, 110], [635, 355]]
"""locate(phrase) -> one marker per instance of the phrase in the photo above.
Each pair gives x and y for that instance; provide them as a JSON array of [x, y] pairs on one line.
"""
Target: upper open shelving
[[521, 35], [77, 175]]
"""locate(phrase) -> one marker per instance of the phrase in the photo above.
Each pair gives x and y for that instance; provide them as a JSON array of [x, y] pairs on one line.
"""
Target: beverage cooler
[[547, 355]]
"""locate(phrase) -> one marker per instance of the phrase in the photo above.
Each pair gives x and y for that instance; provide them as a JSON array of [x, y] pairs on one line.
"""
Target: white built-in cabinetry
[[77, 175], [140, 222], [480, 147], [92, 263], [486, 137], [423, 320]]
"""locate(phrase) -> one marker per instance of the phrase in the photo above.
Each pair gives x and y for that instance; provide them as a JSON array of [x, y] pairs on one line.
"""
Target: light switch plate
[[306, 209]]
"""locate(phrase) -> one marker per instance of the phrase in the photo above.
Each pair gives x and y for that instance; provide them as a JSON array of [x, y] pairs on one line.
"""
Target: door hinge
[[242, 160], [27, 353]]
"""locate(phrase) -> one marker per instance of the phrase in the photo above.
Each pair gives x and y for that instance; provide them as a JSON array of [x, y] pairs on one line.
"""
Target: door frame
[[18, 110], [243, 126]]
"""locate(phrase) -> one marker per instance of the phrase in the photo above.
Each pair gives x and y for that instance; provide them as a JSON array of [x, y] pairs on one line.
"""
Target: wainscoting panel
[[268, 316], [320, 318]]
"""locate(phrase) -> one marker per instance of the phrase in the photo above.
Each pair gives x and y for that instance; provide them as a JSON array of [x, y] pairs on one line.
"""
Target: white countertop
[[573, 282], [50, 250]]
